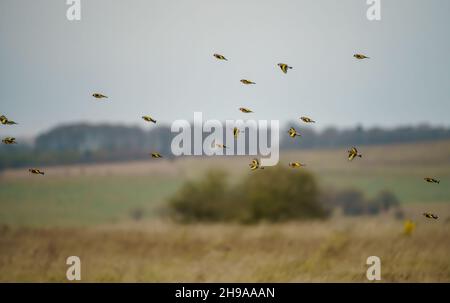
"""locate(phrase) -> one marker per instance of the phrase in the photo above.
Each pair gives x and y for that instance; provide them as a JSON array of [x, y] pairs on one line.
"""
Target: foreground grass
[[334, 250]]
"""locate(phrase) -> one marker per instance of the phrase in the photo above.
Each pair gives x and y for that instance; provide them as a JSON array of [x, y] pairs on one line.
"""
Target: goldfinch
[[296, 164], [293, 133], [156, 155], [9, 140], [36, 171], [99, 96], [236, 132], [352, 153], [6, 121], [360, 56], [255, 165], [284, 67], [247, 82], [245, 110], [220, 57], [149, 119], [432, 180], [430, 216], [307, 120]]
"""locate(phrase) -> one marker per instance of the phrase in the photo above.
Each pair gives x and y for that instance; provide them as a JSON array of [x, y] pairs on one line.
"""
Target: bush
[[274, 194], [354, 203], [279, 194]]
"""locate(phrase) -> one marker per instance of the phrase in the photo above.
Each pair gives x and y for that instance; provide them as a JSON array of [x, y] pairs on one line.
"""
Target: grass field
[[335, 250], [89, 211], [108, 193]]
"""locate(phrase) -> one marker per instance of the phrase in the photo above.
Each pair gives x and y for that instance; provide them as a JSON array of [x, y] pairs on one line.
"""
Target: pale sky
[[155, 57]]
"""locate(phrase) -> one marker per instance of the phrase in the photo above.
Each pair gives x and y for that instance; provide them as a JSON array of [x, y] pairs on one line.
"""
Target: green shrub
[[274, 194]]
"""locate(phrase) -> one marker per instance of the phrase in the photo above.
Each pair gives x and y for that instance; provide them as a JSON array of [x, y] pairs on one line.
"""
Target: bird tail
[[360, 156], [439, 181], [42, 173], [290, 67]]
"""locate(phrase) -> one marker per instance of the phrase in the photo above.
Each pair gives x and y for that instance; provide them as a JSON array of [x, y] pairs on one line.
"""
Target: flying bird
[[149, 119], [99, 96], [6, 121], [296, 164], [220, 57], [236, 132], [156, 155], [307, 120], [360, 56], [245, 110], [293, 133], [430, 216], [284, 67], [9, 140], [247, 82], [36, 171], [352, 153], [431, 180], [255, 165]]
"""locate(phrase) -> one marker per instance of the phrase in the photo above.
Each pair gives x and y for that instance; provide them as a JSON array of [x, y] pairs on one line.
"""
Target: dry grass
[[335, 250]]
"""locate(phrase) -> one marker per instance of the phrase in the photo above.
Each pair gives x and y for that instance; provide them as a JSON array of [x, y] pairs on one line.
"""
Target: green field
[[81, 200], [111, 193]]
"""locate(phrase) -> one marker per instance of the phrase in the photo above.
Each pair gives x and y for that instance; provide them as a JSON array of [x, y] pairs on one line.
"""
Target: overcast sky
[[155, 57]]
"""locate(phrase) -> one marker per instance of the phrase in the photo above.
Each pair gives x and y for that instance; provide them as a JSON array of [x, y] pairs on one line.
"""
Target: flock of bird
[[255, 164]]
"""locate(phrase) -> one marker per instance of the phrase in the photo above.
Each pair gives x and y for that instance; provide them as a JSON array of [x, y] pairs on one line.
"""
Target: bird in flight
[[430, 216], [149, 119], [360, 56], [245, 110], [236, 132], [36, 171], [9, 140], [219, 145], [255, 165], [296, 164], [352, 153], [307, 120], [432, 180], [156, 155], [293, 133], [247, 82], [99, 96], [284, 67], [220, 57], [6, 121]]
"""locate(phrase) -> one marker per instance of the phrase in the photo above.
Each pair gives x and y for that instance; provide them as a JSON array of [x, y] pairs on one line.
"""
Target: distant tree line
[[85, 143]]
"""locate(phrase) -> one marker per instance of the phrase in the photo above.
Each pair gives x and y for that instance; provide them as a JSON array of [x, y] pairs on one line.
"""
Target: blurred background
[[133, 218]]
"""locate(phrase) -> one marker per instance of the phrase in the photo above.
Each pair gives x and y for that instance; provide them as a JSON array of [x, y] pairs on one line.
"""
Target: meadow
[[112, 216]]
